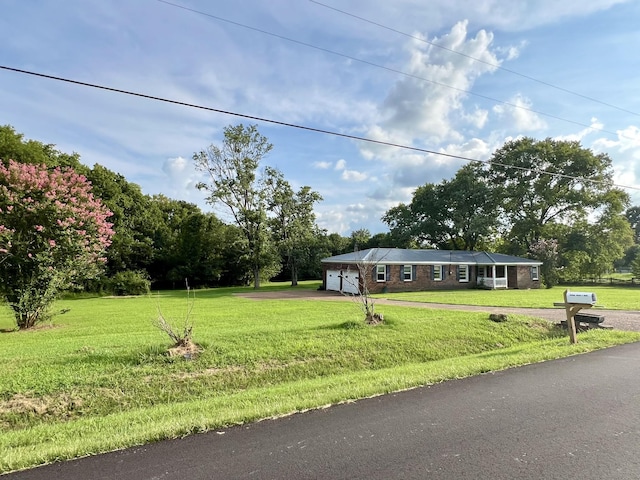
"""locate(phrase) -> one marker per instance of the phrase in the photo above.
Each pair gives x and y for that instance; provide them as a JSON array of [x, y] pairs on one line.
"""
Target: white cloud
[[353, 176], [322, 165], [422, 105], [181, 179], [628, 141], [519, 114], [341, 164], [580, 136], [625, 154], [477, 118]]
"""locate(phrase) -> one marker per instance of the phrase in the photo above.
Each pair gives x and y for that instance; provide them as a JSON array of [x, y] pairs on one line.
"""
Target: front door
[[512, 277]]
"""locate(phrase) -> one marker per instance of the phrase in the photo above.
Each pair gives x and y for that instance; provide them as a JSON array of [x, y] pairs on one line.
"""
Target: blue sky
[[589, 47]]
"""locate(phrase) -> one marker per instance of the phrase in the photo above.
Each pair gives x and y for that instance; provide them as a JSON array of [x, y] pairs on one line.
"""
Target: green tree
[[293, 221], [234, 182], [359, 239], [198, 251], [135, 220], [53, 233], [335, 244], [547, 252], [14, 146], [635, 266], [590, 249], [633, 216], [537, 183], [457, 214]]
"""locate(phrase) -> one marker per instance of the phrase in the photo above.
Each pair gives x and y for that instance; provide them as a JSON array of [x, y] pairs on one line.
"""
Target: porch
[[495, 276]]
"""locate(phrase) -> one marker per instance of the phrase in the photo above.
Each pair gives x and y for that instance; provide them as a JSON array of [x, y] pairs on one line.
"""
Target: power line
[[307, 128], [390, 69], [433, 44]]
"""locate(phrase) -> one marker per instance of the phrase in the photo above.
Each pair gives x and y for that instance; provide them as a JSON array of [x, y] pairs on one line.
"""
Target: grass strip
[[46, 443]]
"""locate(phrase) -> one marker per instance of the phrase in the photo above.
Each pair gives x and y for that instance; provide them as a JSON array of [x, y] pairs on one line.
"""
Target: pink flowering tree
[[53, 233]]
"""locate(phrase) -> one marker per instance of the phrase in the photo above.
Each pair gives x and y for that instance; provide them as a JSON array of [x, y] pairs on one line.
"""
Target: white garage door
[[342, 281], [333, 280], [350, 282]]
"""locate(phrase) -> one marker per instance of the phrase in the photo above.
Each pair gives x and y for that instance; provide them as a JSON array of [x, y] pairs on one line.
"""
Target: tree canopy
[[541, 182], [457, 214]]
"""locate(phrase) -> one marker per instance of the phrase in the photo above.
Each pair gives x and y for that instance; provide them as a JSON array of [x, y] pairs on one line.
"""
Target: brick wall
[[421, 281], [524, 278]]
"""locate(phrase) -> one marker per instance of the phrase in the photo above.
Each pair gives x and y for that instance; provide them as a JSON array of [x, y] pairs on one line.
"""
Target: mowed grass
[[615, 297], [98, 379]]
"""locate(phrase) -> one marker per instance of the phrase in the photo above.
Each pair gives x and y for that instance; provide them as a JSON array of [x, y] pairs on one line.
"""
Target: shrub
[[129, 282]]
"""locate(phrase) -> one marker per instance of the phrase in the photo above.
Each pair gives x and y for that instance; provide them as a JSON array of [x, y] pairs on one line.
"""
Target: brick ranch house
[[403, 270]]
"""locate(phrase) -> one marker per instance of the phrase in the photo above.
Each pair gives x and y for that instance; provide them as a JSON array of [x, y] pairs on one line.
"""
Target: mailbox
[[581, 298]]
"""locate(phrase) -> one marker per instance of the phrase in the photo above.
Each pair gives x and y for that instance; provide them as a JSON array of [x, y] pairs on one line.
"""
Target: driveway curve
[[619, 319]]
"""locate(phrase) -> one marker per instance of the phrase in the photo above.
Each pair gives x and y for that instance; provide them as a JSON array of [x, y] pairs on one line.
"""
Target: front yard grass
[[614, 297], [98, 379]]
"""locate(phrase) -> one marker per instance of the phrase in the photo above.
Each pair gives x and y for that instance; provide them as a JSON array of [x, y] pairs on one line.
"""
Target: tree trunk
[[294, 275], [256, 278]]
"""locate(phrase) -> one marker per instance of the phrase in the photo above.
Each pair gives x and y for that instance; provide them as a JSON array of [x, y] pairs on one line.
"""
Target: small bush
[[129, 283]]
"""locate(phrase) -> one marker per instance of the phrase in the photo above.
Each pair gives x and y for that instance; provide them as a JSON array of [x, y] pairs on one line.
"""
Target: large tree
[[236, 183], [53, 233], [293, 223], [539, 183], [458, 214]]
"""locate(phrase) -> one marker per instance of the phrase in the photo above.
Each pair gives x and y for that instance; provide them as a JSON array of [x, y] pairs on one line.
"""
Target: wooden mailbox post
[[573, 303]]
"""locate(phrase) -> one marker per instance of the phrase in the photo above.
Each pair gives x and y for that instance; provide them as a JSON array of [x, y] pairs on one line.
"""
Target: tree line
[[167, 240], [551, 200]]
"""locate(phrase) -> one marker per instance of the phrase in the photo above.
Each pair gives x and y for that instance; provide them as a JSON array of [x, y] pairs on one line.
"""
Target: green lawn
[[98, 379], [619, 298]]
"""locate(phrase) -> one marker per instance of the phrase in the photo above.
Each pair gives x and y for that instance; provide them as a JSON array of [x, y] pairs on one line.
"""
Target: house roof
[[401, 256]]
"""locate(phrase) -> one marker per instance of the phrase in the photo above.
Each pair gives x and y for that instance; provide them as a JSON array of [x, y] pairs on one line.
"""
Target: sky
[[450, 76]]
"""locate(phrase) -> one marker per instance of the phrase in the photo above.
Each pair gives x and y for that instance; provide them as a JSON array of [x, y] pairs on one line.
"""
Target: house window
[[381, 273], [437, 273], [485, 271], [407, 273], [463, 273], [534, 273]]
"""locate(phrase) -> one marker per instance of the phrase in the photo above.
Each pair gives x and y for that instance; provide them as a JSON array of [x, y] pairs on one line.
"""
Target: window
[[463, 273], [407, 273], [534, 273], [381, 273], [437, 273]]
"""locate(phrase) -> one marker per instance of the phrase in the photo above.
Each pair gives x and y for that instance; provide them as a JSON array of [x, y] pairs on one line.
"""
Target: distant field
[[618, 298], [97, 379]]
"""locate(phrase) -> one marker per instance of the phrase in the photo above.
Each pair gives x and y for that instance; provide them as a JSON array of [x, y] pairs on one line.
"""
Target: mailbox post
[[573, 303]]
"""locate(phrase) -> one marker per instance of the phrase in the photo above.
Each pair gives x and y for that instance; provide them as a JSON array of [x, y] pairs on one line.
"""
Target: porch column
[[493, 269]]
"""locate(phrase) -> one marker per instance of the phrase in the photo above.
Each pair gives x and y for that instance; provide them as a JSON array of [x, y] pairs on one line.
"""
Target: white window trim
[[437, 269], [463, 268], [536, 275], [383, 272], [404, 273]]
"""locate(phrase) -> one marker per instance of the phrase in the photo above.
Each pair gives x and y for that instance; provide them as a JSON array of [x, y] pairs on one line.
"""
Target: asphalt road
[[577, 417]]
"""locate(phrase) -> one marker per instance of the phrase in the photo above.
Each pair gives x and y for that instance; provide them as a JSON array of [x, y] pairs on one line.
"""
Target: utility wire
[[307, 128], [390, 69], [433, 44]]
